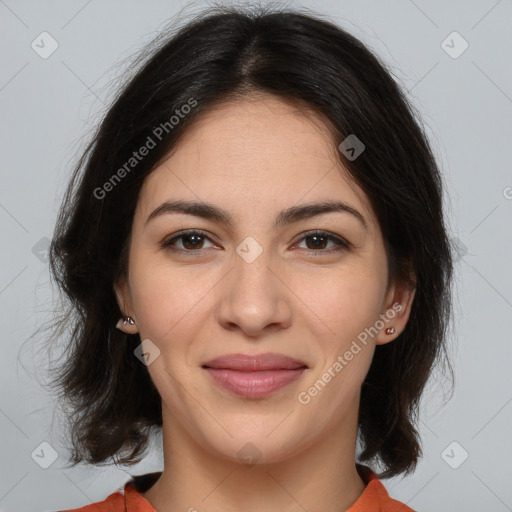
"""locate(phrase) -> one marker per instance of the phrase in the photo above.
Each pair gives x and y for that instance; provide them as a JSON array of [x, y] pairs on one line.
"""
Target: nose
[[254, 297]]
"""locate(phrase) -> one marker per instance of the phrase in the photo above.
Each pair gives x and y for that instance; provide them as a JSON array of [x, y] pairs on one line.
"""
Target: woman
[[255, 254]]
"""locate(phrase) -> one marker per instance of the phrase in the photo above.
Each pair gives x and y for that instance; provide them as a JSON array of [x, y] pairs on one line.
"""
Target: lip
[[255, 362], [254, 376]]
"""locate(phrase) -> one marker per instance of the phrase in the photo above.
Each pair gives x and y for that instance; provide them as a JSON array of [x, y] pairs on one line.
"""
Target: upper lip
[[255, 362]]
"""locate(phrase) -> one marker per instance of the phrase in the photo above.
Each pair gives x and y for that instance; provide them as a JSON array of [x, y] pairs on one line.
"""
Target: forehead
[[251, 154], [261, 128]]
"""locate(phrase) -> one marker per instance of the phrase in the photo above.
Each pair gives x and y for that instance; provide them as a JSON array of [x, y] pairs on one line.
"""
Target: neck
[[322, 477]]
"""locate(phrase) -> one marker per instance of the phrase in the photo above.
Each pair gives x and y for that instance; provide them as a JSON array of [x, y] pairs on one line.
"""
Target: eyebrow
[[288, 216]]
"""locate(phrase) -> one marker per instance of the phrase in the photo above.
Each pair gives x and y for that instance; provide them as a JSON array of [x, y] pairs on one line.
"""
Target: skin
[[255, 157]]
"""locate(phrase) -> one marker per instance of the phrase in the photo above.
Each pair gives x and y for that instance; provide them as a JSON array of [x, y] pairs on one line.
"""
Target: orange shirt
[[375, 497]]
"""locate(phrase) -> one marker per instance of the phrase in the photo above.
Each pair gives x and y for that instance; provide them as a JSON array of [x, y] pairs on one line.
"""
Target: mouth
[[254, 376]]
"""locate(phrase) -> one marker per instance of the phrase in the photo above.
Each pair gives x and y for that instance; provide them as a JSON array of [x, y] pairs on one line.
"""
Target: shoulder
[[375, 497], [113, 503], [127, 498]]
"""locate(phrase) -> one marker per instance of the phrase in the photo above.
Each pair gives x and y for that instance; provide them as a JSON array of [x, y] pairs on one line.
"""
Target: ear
[[123, 297], [396, 311]]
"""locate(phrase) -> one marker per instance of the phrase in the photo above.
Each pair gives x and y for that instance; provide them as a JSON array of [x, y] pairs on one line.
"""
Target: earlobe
[[396, 314], [125, 323]]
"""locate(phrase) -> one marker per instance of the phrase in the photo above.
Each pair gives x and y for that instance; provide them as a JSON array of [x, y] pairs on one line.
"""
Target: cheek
[[344, 300], [167, 298], [347, 303]]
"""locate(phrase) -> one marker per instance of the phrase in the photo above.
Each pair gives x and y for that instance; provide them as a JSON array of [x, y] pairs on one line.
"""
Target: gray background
[[50, 105]]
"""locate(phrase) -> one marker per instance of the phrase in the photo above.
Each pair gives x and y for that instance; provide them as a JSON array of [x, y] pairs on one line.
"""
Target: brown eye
[[191, 241], [317, 242]]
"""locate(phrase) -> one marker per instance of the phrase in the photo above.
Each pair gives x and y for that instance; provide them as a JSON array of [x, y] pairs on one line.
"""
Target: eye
[[191, 241], [319, 240]]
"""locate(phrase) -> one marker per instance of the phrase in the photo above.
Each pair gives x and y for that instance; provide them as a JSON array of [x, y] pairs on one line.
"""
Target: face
[[308, 289]]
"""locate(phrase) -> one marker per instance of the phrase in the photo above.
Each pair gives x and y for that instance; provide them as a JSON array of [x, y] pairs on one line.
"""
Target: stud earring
[[124, 321], [390, 330]]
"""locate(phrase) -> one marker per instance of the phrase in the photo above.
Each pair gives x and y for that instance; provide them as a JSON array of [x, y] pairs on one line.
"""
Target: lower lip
[[254, 384]]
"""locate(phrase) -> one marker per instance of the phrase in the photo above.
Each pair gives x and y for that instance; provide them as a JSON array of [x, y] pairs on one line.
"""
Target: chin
[[249, 448]]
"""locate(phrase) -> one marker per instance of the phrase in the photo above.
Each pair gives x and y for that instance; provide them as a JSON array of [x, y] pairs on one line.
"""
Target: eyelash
[[342, 244]]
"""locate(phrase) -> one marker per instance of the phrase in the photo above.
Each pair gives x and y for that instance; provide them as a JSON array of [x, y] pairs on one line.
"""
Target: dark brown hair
[[112, 404]]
